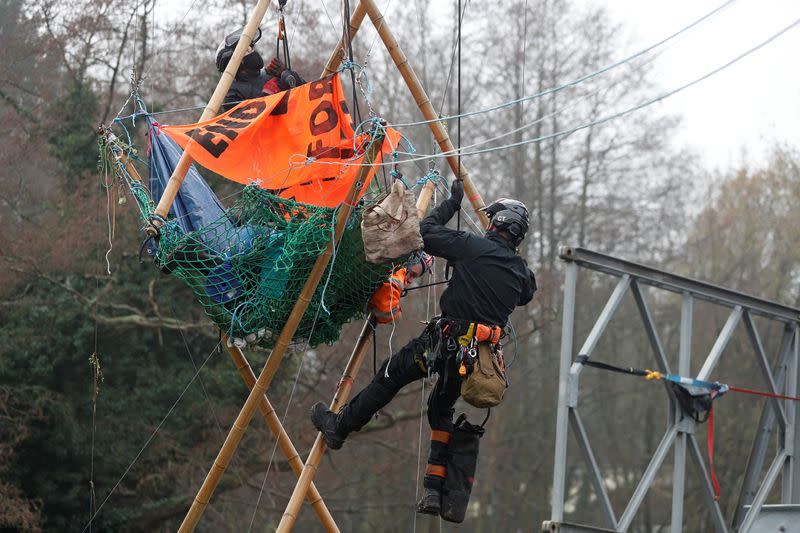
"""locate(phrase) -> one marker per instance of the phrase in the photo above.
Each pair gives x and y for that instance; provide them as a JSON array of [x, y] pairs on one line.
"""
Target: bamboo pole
[[339, 399], [338, 54], [178, 175], [424, 103], [270, 368], [285, 443]]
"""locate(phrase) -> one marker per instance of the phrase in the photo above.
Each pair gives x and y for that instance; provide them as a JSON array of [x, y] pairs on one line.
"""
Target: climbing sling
[[462, 459]]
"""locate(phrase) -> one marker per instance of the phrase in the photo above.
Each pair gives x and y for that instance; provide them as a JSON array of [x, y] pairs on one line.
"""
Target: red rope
[[765, 394], [710, 439]]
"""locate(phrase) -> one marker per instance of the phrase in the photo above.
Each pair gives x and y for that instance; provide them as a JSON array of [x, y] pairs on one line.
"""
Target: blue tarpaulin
[[196, 204]]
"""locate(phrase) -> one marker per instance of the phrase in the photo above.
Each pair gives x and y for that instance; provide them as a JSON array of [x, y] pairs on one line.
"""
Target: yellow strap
[[465, 339], [652, 374]]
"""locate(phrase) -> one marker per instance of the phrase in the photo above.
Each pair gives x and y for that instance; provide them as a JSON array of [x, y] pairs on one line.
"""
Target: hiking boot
[[431, 502], [325, 421]]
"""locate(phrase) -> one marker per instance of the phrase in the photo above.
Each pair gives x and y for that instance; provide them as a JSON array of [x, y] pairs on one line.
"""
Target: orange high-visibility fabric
[[436, 470], [385, 303], [440, 436], [298, 143]]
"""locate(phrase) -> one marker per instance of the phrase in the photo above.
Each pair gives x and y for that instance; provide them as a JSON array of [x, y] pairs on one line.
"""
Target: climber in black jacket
[[489, 280]]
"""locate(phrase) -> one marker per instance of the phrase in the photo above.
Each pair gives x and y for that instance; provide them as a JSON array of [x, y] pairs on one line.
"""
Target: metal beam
[[755, 339], [679, 464], [720, 344], [605, 317], [758, 452], [647, 479], [791, 472], [562, 415], [763, 492], [652, 334], [548, 526], [594, 470], [680, 284]]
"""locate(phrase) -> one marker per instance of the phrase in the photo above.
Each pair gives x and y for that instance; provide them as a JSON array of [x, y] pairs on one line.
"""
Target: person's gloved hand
[[457, 191], [275, 67]]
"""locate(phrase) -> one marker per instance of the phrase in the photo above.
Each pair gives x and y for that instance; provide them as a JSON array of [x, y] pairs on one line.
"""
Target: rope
[[602, 120], [582, 78], [149, 440], [653, 375]]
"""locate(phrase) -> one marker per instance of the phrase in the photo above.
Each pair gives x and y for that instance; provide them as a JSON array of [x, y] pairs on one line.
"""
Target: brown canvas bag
[[486, 385], [390, 228]]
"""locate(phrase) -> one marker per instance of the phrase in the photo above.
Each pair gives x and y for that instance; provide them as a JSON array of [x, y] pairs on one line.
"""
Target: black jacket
[[249, 84], [489, 279]]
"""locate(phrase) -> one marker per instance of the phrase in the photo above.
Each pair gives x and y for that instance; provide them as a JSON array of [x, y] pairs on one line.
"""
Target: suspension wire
[[602, 120], [199, 378], [151, 437], [452, 63], [458, 123], [348, 40], [325, 7], [582, 78]]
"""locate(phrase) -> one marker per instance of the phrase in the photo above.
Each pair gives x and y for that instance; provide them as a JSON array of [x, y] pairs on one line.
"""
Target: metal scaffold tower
[[751, 515]]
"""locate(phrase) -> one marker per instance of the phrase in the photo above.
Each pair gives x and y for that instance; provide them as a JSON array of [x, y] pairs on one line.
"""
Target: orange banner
[[298, 143]]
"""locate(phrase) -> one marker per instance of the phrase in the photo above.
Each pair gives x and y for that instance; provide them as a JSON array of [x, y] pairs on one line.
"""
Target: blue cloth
[[195, 205]]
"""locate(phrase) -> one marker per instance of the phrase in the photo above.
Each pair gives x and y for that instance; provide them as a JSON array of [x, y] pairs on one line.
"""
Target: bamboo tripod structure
[[257, 396], [267, 411]]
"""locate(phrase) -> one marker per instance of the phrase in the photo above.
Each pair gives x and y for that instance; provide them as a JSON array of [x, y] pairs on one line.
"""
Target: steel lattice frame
[[680, 432]]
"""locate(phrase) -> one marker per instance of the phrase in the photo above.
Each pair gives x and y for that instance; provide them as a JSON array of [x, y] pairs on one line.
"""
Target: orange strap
[[440, 436], [436, 470], [490, 334]]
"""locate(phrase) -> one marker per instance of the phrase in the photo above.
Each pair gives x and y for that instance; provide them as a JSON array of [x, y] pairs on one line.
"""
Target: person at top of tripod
[[253, 79]]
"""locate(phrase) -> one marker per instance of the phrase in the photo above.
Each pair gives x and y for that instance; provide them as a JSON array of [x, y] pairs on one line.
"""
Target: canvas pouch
[[390, 228], [486, 384]]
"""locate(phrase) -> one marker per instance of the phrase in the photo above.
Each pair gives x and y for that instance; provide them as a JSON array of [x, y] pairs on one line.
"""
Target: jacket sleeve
[[440, 240], [529, 287], [231, 99]]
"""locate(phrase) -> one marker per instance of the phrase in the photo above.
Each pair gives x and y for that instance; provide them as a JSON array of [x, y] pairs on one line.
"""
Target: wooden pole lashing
[[340, 51], [178, 175], [339, 399], [270, 368]]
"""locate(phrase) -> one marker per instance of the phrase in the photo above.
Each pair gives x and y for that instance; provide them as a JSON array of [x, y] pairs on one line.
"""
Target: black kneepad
[[462, 458]]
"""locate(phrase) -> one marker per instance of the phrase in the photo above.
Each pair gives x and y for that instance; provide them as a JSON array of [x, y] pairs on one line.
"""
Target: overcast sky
[[733, 116], [745, 107]]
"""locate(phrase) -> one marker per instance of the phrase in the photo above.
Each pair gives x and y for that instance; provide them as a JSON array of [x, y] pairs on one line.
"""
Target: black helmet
[[509, 215], [226, 47]]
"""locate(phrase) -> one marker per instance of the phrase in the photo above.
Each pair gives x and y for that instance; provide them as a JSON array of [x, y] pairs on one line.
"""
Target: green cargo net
[[247, 269]]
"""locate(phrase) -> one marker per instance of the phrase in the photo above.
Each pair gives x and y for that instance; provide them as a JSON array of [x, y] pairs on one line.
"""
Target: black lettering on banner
[[249, 111], [318, 89], [232, 124], [217, 128], [346, 111], [322, 151], [283, 106], [330, 122], [206, 140]]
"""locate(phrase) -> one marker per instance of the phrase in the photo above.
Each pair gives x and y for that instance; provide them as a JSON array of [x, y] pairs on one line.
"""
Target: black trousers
[[404, 367]]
